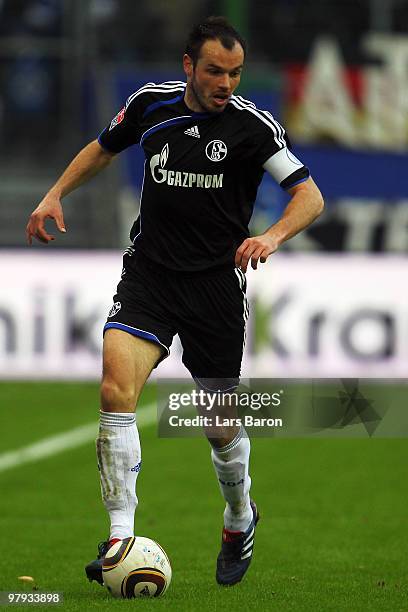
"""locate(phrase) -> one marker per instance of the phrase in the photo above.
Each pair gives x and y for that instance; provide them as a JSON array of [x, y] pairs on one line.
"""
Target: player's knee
[[116, 396]]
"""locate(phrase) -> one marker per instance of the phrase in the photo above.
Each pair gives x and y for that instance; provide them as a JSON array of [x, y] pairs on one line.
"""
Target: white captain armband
[[286, 168]]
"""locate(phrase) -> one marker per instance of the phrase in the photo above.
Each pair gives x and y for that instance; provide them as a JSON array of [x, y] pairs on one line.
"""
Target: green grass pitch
[[332, 536]]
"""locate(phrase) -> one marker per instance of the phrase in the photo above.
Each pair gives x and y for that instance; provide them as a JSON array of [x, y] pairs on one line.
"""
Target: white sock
[[119, 461], [231, 465]]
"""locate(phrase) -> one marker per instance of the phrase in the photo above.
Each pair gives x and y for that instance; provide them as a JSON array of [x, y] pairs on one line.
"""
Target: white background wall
[[314, 316]]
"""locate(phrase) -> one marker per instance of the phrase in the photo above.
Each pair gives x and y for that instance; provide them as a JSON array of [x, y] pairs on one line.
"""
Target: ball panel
[[146, 582], [117, 553], [165, 556], [113, 580]]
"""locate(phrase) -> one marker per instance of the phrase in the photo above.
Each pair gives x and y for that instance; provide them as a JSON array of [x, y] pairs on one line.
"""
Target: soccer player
[[206, 151]]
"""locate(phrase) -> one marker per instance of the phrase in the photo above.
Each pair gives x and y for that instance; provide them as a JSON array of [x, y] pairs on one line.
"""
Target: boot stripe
[[248, 554], [251, 543], [249, 536]]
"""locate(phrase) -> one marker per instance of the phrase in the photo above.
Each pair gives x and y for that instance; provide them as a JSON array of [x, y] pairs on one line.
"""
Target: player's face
[[212, 81]]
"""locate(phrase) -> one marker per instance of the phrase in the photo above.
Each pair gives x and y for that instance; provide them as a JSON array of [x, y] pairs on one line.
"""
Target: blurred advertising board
[[311, 316], [361, 106]]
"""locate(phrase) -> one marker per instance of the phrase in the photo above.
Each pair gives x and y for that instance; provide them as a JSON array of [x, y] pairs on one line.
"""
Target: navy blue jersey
[[201, 175]]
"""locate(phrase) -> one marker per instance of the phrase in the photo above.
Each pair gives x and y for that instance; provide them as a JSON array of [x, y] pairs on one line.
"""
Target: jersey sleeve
[[125, 128], [271, 149]]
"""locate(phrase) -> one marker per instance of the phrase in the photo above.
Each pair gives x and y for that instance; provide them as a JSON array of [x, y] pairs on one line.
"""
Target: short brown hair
[[213, 28]]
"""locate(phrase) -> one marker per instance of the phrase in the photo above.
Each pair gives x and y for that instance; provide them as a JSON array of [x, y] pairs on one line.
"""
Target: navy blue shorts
[[208, 310]]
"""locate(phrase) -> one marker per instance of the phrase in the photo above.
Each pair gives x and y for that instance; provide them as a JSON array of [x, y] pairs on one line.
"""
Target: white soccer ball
[[136, 567]]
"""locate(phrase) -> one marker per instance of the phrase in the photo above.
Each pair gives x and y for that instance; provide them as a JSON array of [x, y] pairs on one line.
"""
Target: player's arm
[[305, 205], [89, 161]]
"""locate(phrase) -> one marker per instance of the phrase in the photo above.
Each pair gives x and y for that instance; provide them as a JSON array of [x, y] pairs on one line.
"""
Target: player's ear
[[188, 65]]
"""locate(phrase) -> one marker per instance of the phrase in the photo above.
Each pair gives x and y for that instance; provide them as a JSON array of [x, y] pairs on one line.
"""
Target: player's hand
[[257, 248], [49, 208]]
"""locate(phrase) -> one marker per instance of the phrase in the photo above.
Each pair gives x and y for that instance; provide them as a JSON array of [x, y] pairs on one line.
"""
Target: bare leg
[[221, 435], [127, 363]]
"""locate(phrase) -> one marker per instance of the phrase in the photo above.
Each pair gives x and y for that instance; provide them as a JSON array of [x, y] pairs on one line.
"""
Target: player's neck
[[191, 101]]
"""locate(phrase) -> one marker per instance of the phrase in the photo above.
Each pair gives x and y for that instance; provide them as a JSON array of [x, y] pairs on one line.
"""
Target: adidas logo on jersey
[[193, 132]]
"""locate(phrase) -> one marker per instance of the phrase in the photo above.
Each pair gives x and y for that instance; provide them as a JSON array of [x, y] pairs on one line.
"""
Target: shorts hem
[[135, 331], [234, 381]]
